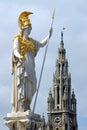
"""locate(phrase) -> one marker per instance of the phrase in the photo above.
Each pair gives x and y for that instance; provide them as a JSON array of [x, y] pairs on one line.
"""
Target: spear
[[43, 62]]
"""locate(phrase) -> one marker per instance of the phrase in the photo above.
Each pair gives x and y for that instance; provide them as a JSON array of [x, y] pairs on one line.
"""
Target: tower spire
[[61, 49], [62, 43], [61, 35]]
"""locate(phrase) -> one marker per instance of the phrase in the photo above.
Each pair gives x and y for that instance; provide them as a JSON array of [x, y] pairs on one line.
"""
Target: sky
[[69, 14]]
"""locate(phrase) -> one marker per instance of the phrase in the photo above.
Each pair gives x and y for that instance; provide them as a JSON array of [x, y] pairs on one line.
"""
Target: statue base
[[23, 121]]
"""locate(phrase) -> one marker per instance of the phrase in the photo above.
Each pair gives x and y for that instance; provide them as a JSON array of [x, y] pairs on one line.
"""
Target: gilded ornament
[[26, 46]]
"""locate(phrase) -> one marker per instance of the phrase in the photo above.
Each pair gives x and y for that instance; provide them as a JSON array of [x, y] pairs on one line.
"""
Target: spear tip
[[53, 14]]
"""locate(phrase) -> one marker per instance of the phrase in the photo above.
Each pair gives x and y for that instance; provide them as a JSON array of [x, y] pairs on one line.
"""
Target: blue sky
[[69, 14]]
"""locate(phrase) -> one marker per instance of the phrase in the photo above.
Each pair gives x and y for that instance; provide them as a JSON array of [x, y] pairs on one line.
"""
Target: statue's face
[[27, 30]]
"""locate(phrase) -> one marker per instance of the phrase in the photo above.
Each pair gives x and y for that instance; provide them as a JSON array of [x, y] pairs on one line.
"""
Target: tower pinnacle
[[62, 50], [61, 35], [62, 43]]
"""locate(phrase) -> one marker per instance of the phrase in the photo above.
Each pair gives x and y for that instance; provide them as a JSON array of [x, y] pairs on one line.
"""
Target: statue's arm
[[16, 49], [45, 40]]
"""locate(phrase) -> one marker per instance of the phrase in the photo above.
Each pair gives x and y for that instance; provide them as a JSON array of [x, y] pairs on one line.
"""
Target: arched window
[[51, 127], [66, 127], [59, 68], [63, 89], [64, 104], [63, 68], [58, 97]]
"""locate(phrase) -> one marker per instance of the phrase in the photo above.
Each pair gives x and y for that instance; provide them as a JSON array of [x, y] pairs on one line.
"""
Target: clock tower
[[61, 101]]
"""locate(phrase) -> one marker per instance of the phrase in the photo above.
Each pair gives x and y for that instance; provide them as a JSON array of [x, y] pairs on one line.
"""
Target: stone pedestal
[[23, 121]]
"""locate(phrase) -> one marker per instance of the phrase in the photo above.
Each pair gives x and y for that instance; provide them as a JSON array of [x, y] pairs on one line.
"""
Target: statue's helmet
[[23, 20]]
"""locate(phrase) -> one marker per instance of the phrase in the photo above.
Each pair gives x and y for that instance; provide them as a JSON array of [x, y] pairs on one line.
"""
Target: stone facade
[[61, 100]]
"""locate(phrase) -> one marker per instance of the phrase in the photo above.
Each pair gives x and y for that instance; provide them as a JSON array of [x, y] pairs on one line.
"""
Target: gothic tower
[[61, 100]]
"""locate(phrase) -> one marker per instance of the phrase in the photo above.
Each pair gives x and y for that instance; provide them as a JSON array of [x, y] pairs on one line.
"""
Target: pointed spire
[[61, 43], [50, 95], [73, 94], [61, 35], [62, 50]]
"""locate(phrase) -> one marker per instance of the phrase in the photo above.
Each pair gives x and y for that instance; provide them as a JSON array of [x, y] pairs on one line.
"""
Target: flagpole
[[43, 63]]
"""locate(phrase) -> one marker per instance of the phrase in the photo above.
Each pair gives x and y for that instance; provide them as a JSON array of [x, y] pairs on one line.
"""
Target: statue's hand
[[50, 32], [22, 58]]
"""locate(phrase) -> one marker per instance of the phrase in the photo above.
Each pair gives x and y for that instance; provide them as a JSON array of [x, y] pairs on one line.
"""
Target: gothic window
[[51, 127], [59, 68], [56, 80], [63, 89], [65, 103], [59, 81], [58, 95], [60, 52], [66, 127], [63, 81], [63, 68]]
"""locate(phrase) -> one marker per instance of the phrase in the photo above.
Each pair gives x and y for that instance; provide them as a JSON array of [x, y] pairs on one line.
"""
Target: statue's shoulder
[[16, 37]]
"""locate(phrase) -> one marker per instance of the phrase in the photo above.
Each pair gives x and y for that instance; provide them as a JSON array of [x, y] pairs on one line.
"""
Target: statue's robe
[[24, 77]]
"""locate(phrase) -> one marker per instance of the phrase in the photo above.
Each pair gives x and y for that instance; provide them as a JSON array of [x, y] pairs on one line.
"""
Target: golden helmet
[[23, 20]]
